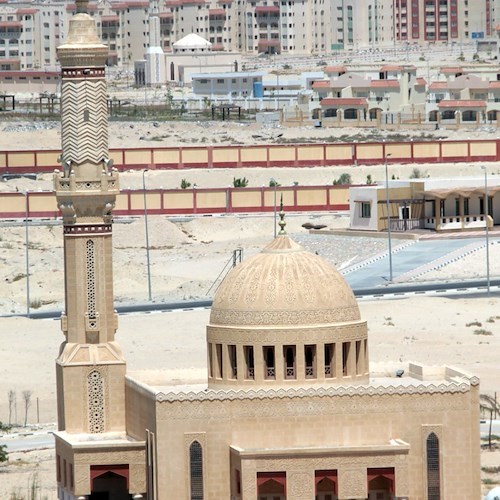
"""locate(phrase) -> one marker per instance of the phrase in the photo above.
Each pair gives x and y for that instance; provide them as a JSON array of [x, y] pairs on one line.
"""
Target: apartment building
[[30, 31]]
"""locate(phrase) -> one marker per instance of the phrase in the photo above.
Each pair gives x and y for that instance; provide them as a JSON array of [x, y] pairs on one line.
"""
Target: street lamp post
[[26, 242], [388, 214], [147, 232], [487, 234]]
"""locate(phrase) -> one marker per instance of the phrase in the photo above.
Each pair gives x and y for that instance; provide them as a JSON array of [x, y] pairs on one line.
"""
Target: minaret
[[155, 62], [94, 453], [90, 366]]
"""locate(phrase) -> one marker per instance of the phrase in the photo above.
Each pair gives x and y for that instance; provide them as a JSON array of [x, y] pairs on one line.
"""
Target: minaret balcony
[[107, 183]]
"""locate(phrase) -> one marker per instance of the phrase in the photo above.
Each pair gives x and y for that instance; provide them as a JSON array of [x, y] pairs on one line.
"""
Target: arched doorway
[[330, 113], [492, 115], [381, 484], [350, 114], [326, 484], [271, 485], [374, 112], [469, 116], [109, 482], [433, 116], [316, 113], [110, 486]]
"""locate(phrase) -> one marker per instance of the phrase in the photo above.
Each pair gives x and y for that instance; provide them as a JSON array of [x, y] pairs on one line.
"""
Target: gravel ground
[[342, 251]]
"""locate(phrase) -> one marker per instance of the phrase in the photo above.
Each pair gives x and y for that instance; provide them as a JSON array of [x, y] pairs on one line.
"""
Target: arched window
[[433, 474], [196, 470]]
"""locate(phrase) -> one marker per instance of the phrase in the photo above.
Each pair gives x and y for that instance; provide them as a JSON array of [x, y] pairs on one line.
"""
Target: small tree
[[4, 456], [416, 173], [240, 182], [12, 402], [489, 404], [185, 184], [369, 179], [27, 404], [344, 179], [274, 183]]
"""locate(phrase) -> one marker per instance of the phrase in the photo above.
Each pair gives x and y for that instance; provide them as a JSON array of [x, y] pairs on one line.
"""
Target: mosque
[[289, 408]]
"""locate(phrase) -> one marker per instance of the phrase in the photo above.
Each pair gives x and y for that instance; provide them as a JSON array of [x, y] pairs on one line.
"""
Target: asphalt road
[[406, 260], [35, 441]]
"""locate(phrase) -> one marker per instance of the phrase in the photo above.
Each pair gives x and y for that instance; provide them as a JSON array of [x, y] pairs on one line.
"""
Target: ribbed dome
[[284, 285]]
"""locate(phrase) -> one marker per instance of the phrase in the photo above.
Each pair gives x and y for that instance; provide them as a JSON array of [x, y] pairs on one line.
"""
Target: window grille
[[196, 470], [433, 476]]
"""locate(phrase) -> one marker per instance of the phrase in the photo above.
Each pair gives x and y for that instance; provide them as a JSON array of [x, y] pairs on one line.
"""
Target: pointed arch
[[196, 471], [433, 467]]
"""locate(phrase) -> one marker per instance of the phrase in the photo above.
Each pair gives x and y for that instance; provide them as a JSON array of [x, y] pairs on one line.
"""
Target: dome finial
[[282, 222]]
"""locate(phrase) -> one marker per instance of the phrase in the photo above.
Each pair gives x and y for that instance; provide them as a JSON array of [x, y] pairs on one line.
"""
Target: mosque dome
[[284, 285], [283, 318]]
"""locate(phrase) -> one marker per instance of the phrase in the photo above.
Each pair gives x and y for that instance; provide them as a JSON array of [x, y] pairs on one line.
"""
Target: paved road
[[404, 261], [28, 442]]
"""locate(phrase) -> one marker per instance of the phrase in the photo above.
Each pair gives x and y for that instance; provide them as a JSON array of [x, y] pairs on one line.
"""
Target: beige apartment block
[[31, 31]]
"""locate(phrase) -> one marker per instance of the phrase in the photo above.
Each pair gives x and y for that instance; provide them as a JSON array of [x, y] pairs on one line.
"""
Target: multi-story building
[[29, 32]]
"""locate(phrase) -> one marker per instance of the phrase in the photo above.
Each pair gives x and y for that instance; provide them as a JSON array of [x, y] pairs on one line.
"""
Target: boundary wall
[[267, 155], [42, 204]]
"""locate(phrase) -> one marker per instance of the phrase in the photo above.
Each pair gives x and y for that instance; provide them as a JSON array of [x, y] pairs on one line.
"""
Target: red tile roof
[[438, 86], [341, 102], [216, 12], [420, 82], [10, 24], [22, 12], [322, 84], [267, 9], [494, 85], [455, 69], [384, 84], [335, 69], [462, 104]]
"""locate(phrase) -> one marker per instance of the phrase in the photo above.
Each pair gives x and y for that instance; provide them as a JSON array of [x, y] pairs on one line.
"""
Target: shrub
[[185, 184], [240, 182], [343, 179]]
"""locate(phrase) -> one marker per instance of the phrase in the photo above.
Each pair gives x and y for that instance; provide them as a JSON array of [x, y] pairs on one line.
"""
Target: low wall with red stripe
[[267, 155], [189, 201]]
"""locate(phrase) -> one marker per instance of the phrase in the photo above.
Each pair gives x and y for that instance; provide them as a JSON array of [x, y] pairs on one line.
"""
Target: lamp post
[[274, 183], [147, 232], [487, 234], [26, 242], [388, 213]]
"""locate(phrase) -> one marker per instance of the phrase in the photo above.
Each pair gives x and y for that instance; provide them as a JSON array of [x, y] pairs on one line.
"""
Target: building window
[[249, 362], [196, 471], [269, 366], [231, 349], [210, 361], [358, 357], [289, 355], [366, 210], [433, 476], [345, 357], [329, 360], [218, 354], [310, 359], [466, 206]]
